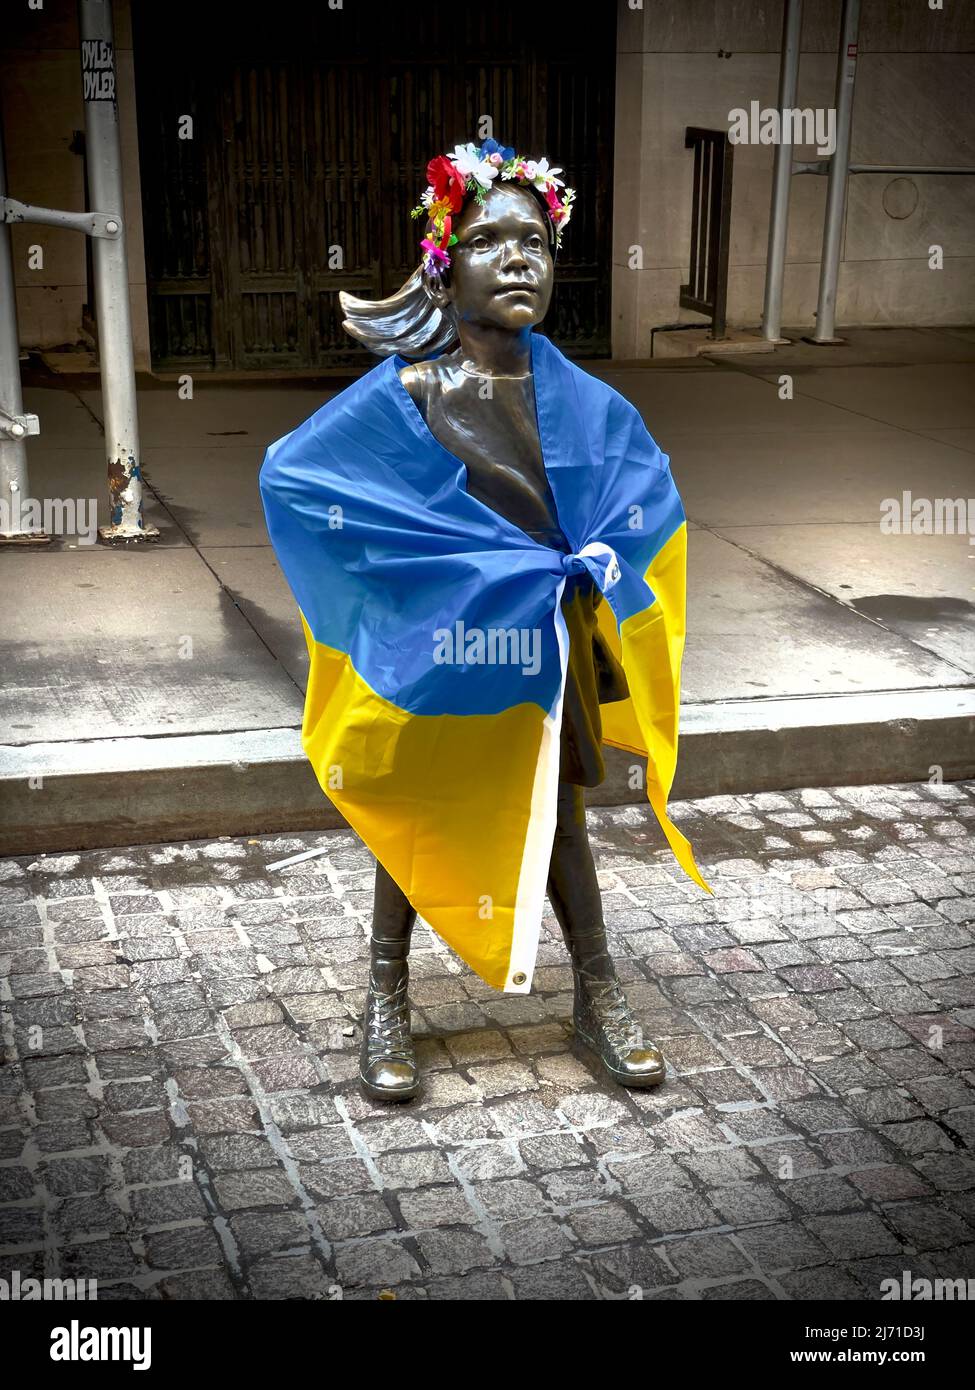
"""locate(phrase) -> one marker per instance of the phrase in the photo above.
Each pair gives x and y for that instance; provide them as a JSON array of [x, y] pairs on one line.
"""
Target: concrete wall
[[691, 63], [40, 86]]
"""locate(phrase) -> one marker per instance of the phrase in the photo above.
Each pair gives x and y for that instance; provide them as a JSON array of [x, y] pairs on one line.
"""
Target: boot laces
[[388, 1022], [608, 1006]]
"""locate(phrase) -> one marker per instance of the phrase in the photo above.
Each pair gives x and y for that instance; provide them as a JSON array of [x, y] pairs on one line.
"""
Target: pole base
[[127, 535], [28, 538], [826, 342]]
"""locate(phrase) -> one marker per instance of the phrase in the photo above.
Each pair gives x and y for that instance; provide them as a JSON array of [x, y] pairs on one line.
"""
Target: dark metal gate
[[311, 132]]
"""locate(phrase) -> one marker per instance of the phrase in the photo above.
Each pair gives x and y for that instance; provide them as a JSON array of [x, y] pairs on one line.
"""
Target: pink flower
[[434, 251]]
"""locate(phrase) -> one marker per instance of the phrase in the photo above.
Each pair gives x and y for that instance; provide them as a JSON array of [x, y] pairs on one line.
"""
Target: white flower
[[542, 176], [470, 164], [428, 196], [465, 158], [485, 174]]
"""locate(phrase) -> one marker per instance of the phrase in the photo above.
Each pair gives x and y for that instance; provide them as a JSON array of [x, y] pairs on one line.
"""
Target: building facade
[[271, 155]]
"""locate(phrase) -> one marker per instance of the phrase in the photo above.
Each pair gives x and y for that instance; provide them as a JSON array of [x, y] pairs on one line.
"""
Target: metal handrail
[[707, 289]]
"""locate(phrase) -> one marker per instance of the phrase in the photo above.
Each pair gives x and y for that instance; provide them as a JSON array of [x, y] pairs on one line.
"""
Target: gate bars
[[707, 289]]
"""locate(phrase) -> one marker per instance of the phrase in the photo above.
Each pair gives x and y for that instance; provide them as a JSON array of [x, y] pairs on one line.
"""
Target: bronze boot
[[387, 1061], [603, 1023], [601, 1016]]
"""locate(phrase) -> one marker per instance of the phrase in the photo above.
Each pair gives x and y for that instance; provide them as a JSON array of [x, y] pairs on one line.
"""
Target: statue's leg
[[601, 1015], [387, 1063]]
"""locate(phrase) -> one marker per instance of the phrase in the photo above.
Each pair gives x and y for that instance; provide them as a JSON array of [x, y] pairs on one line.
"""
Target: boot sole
[[586, 1049]]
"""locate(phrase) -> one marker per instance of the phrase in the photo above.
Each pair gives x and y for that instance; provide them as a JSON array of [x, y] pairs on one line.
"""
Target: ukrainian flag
[[438, 647]]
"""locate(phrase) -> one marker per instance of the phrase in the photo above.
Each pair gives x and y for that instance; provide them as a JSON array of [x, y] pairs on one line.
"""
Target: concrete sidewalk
[[157, 692]]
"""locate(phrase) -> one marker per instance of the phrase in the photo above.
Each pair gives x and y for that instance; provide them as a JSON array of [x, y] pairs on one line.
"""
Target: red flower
[[447, 182]]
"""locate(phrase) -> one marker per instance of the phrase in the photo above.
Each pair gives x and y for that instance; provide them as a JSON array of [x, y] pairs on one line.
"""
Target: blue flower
[[493, 147]]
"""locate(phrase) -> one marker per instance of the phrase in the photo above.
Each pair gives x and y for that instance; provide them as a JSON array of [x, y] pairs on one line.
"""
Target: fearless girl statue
[[488, 553]]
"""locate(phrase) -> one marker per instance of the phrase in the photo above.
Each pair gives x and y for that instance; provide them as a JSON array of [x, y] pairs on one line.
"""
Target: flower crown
[[469, 170]]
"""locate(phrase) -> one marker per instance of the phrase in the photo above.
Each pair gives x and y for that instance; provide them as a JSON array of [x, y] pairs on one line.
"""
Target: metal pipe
[[846, 68], [778, 226], [111, 278], [911, 169], [91, 223], [15, 426], [822, 166]]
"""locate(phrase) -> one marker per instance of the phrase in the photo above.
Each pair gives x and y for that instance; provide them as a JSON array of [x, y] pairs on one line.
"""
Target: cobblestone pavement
[[179, 1115]]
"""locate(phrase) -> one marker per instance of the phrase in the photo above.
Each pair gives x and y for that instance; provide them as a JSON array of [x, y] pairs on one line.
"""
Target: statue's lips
[[514, 289]]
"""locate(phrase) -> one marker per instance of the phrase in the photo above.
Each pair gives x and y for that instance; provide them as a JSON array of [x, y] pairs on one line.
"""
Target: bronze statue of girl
[[484, 287]]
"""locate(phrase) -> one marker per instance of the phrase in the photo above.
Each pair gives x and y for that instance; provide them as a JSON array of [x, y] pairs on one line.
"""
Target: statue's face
[[501, 265]]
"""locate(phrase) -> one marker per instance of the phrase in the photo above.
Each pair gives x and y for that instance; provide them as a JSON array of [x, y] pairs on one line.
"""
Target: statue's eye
[[534, 242], [479, 243]]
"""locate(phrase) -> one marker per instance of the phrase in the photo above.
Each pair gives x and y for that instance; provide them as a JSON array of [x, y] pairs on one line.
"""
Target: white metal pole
[[846, 70], [782, 173], [115, 349], [15, 426]]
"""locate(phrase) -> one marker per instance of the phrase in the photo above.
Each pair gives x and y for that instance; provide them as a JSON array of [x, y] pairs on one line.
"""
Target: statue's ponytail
[[408, 322]]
